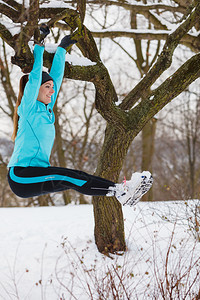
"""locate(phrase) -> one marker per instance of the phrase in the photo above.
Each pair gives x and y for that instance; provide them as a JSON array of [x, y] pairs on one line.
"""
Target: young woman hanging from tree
[[30, 173]]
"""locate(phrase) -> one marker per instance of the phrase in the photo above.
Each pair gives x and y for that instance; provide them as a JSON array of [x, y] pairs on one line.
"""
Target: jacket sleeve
[[33, 85], [57, 71]]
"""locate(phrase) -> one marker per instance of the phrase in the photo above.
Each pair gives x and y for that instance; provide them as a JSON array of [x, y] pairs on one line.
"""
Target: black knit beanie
[[45, 77]]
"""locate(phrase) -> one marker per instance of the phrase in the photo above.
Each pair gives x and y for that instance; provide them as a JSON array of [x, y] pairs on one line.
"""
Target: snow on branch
[[132, 33]]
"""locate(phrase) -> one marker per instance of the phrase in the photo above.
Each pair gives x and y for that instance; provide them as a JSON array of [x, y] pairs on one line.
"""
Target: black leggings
[[28, 182]]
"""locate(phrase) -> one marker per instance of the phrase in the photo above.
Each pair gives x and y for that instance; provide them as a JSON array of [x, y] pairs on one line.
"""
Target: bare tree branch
[[14, 4], [10, 12], [6, 35], [190, 41], [163, 62], [167, 91], [138, 8], [5, 79], [81, 7]]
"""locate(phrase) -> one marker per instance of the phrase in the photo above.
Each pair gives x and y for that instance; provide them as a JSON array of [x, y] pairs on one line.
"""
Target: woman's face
[[45, 92]]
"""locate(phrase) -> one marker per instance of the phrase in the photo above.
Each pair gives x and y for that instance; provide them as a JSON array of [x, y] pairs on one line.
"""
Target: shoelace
[[124, 181]]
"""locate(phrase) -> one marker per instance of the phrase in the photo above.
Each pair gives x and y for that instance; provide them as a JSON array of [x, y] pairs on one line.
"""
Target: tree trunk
[[43, 200], [109, 222], [109, 225]]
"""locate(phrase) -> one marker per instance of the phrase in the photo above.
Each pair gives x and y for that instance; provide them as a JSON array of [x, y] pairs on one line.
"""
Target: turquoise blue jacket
[[36, 131]]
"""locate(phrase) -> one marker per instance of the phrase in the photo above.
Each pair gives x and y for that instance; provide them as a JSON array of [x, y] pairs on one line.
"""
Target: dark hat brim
[[45, 77]]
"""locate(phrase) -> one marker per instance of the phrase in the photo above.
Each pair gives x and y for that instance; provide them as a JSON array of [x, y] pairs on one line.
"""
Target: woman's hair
[[22, 84]]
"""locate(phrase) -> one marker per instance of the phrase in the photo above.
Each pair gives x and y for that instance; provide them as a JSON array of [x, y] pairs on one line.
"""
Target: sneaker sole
[[141, 191]]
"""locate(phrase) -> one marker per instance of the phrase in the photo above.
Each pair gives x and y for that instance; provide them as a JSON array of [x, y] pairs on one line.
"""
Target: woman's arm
[[32, 87], [57, 71], [58, 66]]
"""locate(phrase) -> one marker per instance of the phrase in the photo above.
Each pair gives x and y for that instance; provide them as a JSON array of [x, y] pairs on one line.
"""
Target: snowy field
[[50, 253]]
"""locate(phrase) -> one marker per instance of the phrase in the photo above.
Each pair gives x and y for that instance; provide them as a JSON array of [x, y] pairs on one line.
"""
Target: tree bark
[[109, 224]]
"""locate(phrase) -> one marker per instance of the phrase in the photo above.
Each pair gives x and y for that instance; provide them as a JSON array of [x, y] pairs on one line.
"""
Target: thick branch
[[83, 73], [9, 12], [105, 92], [178, 82], [55, 15], [165, 93], [53, 12], [86, 42], [32, 17], [6, 35], [13, 4], [105, 101]]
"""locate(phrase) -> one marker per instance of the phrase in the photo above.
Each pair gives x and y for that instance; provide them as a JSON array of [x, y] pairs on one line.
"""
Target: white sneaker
[[141, 190], [130, 192]]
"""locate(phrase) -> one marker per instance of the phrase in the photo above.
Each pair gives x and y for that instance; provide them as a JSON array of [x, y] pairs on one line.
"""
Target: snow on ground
[[50, 252]]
